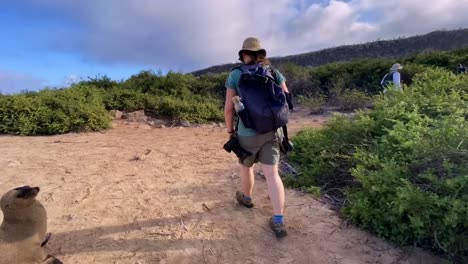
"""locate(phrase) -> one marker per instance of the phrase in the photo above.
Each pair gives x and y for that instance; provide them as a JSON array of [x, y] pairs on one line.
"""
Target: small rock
[[135, 116], [142, 156], [144, 126], [116, 114], [317, 111], [162, 126], [185, 123], [14, 163], [315, 120], [220, 125], [286, 169], [151, 123], [70, 217]]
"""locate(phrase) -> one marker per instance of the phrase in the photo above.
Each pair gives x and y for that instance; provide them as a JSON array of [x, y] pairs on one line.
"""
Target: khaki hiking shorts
[[264, 148]]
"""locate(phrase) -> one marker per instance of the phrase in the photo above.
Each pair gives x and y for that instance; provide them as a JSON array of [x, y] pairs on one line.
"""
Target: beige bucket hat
[[252, 44], [396, 67]]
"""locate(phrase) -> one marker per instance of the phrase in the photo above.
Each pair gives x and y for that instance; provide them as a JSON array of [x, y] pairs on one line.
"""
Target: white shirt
[[396, 79]]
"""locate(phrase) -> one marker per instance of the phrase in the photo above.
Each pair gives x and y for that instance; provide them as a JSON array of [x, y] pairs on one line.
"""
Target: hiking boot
[[243, 201], [278, 229]]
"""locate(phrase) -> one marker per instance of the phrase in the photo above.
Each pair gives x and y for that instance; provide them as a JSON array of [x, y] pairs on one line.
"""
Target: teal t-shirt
[[232, 83]]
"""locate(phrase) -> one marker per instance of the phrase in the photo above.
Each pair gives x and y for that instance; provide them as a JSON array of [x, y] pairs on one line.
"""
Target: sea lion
[[23, 230]]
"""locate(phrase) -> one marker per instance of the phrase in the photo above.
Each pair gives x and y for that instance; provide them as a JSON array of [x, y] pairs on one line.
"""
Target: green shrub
[[144, 82], [301, 80], [353, 99], [210, 85], [439, 59], [84, 107], [200, 99], [53, 112], [195, 108], [400, 170], [103, 82], [125, 99], [313, 103], [443, 59]]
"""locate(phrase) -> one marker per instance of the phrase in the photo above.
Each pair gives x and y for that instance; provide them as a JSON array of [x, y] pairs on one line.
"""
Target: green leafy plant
[[400, 170], [353, 99], [313, 103]]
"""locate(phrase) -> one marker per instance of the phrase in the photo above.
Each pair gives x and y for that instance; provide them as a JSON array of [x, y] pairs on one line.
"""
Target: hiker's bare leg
[[247, 180], [275, 188]]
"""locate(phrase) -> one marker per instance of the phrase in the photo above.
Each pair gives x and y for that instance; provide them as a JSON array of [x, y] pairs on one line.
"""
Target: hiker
[[264, 147], [392, 77], [461, 69]]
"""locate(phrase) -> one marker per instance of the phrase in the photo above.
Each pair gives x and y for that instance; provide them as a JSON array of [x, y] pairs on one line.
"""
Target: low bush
[[400, 170], [53, 112]]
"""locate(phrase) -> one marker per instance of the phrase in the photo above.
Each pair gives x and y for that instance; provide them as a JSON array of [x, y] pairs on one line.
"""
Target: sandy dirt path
[[175, 206]]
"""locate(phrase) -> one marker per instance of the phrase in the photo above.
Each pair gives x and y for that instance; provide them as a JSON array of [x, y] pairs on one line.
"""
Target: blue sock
[[247, 198], [278, 219]]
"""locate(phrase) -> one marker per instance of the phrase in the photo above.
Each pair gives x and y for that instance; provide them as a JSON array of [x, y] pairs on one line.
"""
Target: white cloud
[[193, 34], [320, 26], [405, 18]]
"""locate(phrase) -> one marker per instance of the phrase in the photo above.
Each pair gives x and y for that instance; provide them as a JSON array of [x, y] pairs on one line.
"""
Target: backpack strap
[[285, 142], [285, 145], [273, 72], [238, 67], [383, 79], [236, 127], [285, 133]]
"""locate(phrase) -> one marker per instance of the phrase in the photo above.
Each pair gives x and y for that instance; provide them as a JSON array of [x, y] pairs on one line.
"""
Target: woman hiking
[[264, 147]]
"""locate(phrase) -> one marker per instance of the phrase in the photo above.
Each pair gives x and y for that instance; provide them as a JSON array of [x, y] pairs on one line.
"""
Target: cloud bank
[[190, 35]]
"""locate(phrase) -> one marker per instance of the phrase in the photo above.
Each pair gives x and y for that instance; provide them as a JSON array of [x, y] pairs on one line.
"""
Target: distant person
[[461, 69], [392, 77]]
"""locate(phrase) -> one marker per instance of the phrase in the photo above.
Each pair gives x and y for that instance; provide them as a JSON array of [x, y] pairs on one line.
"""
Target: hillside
[[434, 41]]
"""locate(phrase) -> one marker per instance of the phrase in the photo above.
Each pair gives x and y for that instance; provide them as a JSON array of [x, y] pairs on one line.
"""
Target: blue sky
[[50, 42]]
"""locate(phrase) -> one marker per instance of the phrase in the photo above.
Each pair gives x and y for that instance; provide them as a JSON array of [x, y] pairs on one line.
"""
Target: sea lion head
[[19, 198]]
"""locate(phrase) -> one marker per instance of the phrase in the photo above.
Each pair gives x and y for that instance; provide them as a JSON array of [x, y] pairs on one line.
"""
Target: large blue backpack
[[386, 80], [266, 107]]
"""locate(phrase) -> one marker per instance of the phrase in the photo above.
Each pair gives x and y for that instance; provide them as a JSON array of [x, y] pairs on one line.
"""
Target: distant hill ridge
[[441, 40]]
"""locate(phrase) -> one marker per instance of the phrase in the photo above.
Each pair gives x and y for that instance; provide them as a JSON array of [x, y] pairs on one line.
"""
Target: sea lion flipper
[[48, 235], [52, 260]]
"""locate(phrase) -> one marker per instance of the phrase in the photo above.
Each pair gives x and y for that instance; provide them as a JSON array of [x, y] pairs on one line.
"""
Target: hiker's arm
[[288, 95], [229, 109], [284, 87]]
